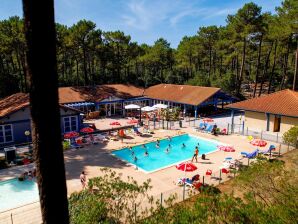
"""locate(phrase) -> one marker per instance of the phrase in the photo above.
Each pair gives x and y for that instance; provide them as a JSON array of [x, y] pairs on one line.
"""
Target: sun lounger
[[202, 126], [136, 131], [209, 129], [250, 155], [75, 145], [267, 151]]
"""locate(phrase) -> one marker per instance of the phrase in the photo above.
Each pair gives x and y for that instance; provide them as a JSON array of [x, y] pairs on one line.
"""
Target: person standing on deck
[[196, 153], [83, 179]]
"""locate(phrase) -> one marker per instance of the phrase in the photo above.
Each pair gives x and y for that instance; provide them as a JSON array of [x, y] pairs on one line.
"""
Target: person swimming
[[135, 159], [169, 138], [146, 153], [167, 150], [183, 145], [144, 146], [157, 145], [130, 148], [170, 146]]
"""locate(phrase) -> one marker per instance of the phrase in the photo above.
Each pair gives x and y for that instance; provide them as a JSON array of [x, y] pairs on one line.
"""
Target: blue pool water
[[159, 159], [15, 193]]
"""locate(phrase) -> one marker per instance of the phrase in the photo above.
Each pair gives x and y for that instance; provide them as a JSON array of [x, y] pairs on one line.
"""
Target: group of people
[[157, 145], [28, 175]]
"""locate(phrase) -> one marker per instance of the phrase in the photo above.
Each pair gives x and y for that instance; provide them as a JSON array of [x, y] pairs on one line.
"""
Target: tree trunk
[[296, 69], [265, 69], [285, 67], [46, 134], [210, 66], [258, 66], [242, 67], [273, 68], [85, 67]]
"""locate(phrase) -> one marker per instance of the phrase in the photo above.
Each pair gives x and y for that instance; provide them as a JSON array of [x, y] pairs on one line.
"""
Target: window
[[6, 133], [70, 124]]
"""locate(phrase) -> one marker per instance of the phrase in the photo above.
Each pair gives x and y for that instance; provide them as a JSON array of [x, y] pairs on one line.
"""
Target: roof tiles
[[283, 102], [193, 95]]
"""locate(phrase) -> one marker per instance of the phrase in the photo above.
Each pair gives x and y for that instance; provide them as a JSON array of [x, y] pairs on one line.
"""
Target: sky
[[144, 20]]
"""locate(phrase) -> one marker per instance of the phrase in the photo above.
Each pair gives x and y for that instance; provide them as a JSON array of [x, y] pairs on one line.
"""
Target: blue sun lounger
[[267, 151], [250, 155], [209, 128]]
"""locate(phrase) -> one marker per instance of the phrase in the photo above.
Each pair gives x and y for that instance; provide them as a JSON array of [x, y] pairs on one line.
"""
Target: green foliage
[[291, 136], [222, 56], [86, 208], [121, 197], [65, 145], [270, 196], [199, 80]]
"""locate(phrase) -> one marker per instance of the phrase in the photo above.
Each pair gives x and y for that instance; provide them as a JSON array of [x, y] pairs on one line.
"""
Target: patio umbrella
[[186, 167], [148, 109], [160, 106], [208, 120], [72, 134], [226, 148], [87, 130], [258, 142], [132, 106], [133, 121], [115, 123]]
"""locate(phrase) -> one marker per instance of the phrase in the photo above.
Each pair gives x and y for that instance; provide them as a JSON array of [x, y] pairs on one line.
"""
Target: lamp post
[[27, 133]]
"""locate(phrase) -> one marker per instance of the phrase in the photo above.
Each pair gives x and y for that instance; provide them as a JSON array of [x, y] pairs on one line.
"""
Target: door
[[276, 127]]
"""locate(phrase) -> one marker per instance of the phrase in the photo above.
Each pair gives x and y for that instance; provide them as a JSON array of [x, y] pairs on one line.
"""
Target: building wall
[[21, 122], [287, 123], [258, 121], [255, 121]]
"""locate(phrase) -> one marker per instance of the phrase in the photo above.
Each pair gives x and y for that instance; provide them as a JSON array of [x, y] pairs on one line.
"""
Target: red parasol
[[186, 167], [115, 123], [226, 148], [132, 121], [87, 130], [258, 142], [72, 134], [208, 120]]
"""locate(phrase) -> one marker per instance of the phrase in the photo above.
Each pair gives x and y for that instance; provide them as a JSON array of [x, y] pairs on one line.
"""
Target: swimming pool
[[159, 159], [15, 193]]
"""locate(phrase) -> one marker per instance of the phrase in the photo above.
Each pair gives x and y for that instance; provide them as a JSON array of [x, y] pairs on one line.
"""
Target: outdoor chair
[[250, 155], [267, 151], [209, 129], [136, 131]]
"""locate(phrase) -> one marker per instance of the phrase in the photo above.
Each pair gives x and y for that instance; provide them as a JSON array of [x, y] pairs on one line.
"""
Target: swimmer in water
[[183, 145], [135, 159], [167, 150], [144, 146], [146, 153]]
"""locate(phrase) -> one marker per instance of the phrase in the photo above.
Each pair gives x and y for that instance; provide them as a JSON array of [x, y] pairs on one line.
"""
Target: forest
[[254, 47]]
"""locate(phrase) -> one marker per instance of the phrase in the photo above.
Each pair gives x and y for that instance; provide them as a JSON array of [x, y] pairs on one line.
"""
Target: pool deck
[[93, 157]]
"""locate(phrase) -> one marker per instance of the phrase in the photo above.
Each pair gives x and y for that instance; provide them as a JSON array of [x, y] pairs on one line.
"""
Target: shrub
[[291, 136], [86, 208]]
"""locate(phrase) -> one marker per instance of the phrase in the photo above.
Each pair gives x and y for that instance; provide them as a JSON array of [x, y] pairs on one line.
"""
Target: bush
[[291, 136], [86, 208], [65, 145]]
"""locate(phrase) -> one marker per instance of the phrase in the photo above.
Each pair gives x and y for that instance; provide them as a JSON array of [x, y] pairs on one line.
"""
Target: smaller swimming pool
[[159, 159], [15, 193]]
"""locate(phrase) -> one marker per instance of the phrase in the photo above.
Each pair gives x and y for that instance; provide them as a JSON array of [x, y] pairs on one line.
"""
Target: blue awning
[[79, 104]]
